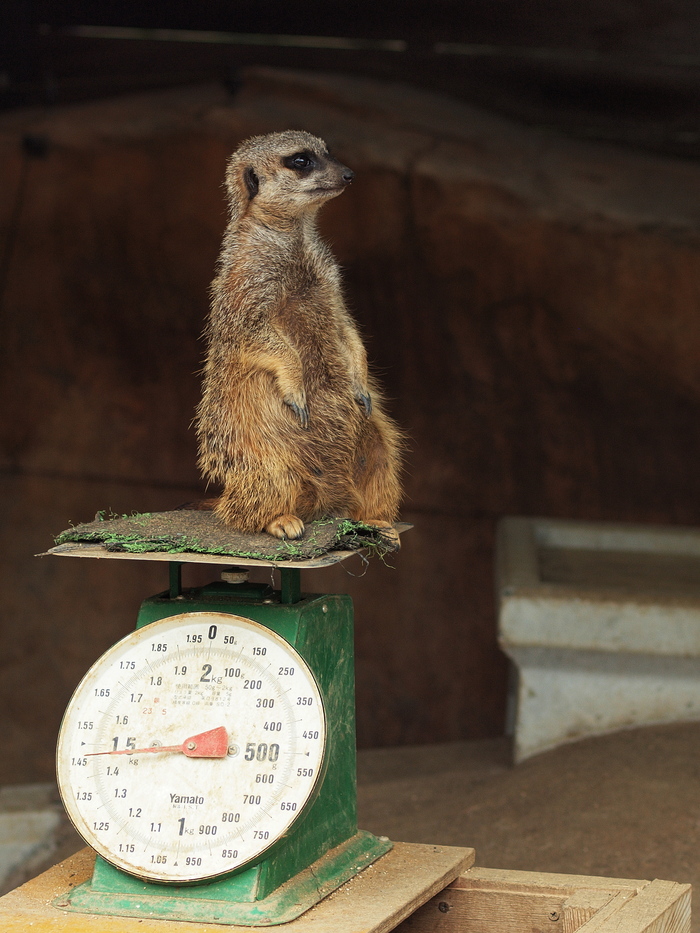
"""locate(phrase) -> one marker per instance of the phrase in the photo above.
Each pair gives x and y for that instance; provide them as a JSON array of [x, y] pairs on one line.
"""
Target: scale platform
[[198, 537], [84, 549]]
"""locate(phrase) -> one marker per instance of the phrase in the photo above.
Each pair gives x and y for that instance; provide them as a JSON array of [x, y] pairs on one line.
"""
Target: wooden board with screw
[[389, 895], [484, 900], [374, 901]]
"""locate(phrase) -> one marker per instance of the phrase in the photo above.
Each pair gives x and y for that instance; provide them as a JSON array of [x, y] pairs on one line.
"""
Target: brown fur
[[290, 420]]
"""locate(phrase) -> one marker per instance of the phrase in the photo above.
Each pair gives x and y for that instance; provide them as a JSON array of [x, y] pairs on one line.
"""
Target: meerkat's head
[[284, 174]]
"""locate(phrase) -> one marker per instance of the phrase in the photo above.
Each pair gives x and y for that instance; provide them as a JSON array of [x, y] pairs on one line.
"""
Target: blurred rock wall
[[529, 302]]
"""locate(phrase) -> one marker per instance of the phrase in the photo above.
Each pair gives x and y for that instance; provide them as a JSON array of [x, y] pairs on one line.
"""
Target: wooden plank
[[375, 901], [552, 882], [408, 890], [476, 910], [582, 905], [662, 907], [501, 901]]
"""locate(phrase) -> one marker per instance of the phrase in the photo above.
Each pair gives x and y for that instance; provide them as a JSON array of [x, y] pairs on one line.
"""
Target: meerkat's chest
[[311, 301], [311, 323], [315, 321]]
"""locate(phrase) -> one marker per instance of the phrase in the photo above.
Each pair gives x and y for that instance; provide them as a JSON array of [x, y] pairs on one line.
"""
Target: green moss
[[202, 533]]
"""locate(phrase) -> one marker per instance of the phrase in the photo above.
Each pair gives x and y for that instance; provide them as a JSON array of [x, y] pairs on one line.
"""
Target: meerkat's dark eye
[[300, 161]]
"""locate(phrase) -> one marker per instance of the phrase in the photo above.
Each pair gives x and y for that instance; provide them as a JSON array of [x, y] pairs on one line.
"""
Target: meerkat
[[290, 421]]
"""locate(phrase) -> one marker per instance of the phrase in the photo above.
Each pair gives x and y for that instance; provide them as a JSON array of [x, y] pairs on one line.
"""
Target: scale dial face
[[191, 746]]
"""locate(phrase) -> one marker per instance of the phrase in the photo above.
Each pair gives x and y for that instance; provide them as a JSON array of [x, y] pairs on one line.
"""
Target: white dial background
[[164, 816]]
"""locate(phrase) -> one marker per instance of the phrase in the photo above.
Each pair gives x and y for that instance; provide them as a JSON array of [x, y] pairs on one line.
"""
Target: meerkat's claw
[[285, 526], [365, 399], [301, 411]]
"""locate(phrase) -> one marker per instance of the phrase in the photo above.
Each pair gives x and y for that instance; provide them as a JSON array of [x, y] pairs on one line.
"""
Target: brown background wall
[[529, 302]]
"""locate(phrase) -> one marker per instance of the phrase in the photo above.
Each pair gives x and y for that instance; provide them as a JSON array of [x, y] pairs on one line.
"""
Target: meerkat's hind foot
[[387, 532], [285, 526]]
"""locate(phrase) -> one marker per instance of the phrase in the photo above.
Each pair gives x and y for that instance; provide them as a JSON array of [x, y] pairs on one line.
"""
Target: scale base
[[286, 903]]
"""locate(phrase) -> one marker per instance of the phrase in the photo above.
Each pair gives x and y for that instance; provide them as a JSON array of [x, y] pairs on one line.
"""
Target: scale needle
[[211, 744]]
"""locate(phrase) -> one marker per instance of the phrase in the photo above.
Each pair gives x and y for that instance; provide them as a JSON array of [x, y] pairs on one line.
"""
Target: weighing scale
[[209, 756]]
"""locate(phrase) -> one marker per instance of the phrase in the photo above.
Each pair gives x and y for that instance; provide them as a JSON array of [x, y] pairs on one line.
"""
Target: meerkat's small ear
[[251, 182]]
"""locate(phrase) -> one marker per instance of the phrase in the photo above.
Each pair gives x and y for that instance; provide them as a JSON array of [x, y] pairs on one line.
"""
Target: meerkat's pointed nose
[[347, 175]]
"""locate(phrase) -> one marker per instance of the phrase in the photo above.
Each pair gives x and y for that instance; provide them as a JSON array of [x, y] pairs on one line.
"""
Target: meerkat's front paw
[[285, 526], [362, 396], [387, 533], [300, 409]]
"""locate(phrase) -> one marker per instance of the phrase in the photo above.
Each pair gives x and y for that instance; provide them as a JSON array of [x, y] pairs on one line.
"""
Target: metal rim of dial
[[167, 817]]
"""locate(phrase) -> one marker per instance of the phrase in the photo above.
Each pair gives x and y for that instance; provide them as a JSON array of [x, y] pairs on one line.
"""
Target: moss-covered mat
[[201, 532]]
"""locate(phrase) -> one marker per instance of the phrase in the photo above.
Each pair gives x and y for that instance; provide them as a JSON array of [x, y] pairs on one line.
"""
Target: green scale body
[[282, 884]]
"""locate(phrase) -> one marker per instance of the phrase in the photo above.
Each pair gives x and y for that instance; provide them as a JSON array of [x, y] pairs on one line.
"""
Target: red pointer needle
[[211, 744]]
